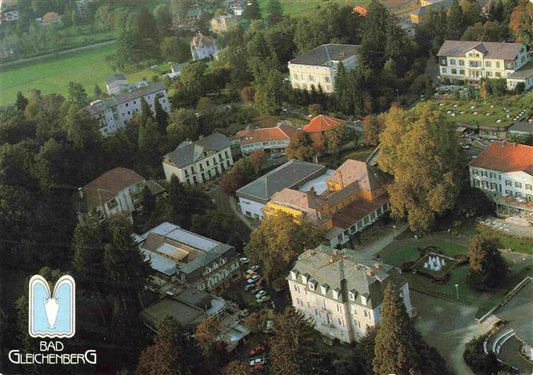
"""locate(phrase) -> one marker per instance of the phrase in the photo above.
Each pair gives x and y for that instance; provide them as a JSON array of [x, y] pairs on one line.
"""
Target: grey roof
[[521, 127], [102, 105], [494, 50], [293, 173], [326, 53], [186, 315], [346, 271], [524, 72], [115, 77], [188, 152]]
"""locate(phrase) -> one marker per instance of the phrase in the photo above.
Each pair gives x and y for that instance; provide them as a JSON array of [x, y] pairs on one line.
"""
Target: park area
[[493, 112], [410, 254], [53, 75]]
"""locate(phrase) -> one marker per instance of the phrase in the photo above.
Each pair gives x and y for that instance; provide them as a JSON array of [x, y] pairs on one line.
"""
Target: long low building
[[114, 112], [293, 174], [179, 255], [274, 140]]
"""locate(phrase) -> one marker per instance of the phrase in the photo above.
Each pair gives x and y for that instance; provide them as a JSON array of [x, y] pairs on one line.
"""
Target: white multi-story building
[[319, 66], [274, 140], [341, 292], [196, 162], [179, 255], [9, 15], [471, 61], [202, 47], [117, 191], [504, 171], [112, 113]]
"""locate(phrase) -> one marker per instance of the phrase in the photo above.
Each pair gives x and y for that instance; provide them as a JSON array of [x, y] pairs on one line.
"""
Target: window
[[508, 183], [487, 64], [311, 78], [311, 286], [528, 187], [461, 63], [492, 175], [444, 71], [476, 183], [339, 320], [498, 64], [462, 72], [327, 79], [509, 192], [452, 61], [316, 313], [366, 314], [518, 185], [295, 77], [489, 74], [475, 171], [454, 71], [498, 74]]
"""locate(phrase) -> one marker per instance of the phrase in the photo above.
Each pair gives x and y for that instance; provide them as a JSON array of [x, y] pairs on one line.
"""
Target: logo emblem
[[52, 314]]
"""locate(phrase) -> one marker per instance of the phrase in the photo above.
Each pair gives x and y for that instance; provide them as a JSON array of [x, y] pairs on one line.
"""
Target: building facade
[[202, 47], [319, 66], [274, 140], [196, 162], [188, 258], [342, 293], [354, 198], [118, 191], [112, 113], [471, 61]]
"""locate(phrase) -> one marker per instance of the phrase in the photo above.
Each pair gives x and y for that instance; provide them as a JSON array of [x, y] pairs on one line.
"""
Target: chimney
[[312, 191], [370, 273]]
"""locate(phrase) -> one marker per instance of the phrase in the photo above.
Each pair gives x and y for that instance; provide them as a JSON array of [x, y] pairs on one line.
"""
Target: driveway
[[448, 327]]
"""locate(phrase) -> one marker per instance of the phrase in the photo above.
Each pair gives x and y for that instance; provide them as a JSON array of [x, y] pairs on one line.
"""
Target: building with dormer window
[[342, 292], [471, 61], [319, 66], [188, 258], [196, 162]]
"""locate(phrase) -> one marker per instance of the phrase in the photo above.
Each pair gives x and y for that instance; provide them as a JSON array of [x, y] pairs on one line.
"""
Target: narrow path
[[370, 249], [55, 54], [239, 214]]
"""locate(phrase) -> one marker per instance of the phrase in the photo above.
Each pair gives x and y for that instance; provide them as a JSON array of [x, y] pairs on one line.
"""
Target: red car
[[257, 350], [257, 368]]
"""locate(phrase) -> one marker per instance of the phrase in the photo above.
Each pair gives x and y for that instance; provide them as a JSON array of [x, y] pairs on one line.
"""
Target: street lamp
[[457, 291]]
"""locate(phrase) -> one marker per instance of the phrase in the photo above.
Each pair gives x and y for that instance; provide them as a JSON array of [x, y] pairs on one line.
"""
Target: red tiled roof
[[50, 16], [506, 157], [108, 185], [278, 133], [322, 123]]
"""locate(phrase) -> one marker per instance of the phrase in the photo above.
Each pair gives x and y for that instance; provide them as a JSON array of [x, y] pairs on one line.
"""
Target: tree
[[206, 335], [521, 21], [267, 97], [231, 181], [182, 125], [315, 109], [292, 348], [82, 129], [399, 348], [97, 91], [278, 241], [275, 11], [21, 102], [487, 267], [248, 94], [421, 151], [257, 158], [77, 94], [372, 128], [175, 49], [163, 20], [161, 116], [301, 147], [335, 138], [181, 8], [236, 368], [218, 225], [252, 11], [455, 21]]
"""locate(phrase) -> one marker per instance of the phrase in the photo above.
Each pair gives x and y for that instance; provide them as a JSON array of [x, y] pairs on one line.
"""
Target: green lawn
[[360, 154], [303, 8], [53, 75], [461, 111]]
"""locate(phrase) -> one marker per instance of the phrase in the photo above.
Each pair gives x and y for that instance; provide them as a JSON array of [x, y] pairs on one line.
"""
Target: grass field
[[488, 112], [52, 76], [302, 8]]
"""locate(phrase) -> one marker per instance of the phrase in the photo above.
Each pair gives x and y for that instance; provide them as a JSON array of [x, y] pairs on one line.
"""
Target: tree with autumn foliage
[[236, 368], [301, 147], [257, 158], [421, 150], [521, 21], [206, 336], [278, 241], [372, 128], [231, 181], [487, 267]]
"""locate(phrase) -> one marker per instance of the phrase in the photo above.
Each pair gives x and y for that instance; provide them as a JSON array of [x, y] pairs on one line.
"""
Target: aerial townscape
[[292, 187]]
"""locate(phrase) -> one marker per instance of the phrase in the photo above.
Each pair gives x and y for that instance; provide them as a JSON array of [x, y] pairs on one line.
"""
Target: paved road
[[448, 327], [58, 53]]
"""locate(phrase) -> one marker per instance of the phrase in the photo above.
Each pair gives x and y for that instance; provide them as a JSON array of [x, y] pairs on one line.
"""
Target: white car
[[257, 361], [253, 279], [244, 260], [261, 293], [254, 268]]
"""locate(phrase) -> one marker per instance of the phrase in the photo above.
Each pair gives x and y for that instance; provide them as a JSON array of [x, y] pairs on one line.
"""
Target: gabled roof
[[189, 152], [506, 157], [325, 54], [289, 175], [491, 50], [521, 127], [201, 41], [322, 123], [108, 185], [524, 72], [115, 77], [436, 6], [281, 132], [369, 178], [306, 202]]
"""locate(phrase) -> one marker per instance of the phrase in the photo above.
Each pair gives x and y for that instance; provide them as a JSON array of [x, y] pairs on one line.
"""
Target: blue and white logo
[[52, 314]]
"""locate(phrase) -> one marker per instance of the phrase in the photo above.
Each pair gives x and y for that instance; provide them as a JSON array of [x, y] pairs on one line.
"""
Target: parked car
[[254, 268], [257, 350], [268, 326], [249, 287], [257, 361], [244, 260], [250, 275], [253, 279], [257, 368], [261, 293], [255, 289], [263, 299]]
